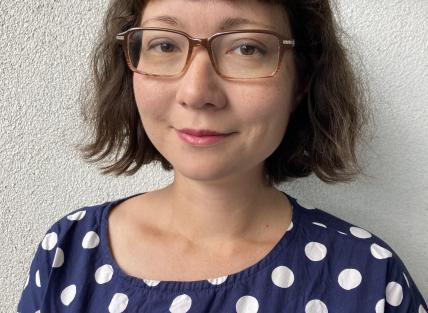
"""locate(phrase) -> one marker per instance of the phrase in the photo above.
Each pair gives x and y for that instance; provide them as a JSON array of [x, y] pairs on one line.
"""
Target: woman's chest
[[167, 260]]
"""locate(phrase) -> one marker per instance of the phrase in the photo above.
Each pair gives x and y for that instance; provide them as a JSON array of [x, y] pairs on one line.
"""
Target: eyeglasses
[[238, 54]]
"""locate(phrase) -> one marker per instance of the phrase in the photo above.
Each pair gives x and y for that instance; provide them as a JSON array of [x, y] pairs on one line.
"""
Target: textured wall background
[[44, 57]]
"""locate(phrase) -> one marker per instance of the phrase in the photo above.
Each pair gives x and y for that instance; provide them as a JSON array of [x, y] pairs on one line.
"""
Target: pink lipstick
[[201, 137]]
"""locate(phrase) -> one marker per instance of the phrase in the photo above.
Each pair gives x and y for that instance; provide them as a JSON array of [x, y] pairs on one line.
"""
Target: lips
[[201, 132], [201, 137]]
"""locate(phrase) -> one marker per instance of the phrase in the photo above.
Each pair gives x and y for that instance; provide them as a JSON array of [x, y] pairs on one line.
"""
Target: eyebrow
[[226, 23]]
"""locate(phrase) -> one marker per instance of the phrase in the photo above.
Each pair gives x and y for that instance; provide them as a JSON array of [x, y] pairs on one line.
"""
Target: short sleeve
[[401, 293], [38, 275]]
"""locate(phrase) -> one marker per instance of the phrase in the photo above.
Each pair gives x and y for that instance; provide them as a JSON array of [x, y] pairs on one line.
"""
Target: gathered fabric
[[322, 264]]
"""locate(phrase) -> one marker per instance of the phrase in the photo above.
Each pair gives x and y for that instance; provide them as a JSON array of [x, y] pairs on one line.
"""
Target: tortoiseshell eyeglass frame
[[123, 38]]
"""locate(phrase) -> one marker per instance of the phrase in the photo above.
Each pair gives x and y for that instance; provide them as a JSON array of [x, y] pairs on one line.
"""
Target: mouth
[[201, 137], [202, 132]]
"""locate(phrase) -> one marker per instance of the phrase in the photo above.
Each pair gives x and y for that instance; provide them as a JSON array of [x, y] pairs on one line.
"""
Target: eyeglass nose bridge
[[199, 42], [204, 42]]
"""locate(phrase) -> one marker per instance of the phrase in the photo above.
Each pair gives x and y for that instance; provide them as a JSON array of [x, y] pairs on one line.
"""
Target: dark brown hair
[[323, 131]]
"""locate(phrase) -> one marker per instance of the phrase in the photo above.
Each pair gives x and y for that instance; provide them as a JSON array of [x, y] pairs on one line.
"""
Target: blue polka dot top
[[321, 264]]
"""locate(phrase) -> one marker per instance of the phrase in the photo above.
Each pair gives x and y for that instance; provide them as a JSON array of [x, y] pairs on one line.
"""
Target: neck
[[208, 214]]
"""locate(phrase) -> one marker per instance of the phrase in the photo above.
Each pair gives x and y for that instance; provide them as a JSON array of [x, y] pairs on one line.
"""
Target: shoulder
[[80, 227], [83, 228], [60, 254], [355, 257], [84, 217], [336, 231]]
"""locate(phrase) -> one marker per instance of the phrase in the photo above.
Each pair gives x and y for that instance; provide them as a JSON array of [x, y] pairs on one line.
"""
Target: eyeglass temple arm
[[287, 42]]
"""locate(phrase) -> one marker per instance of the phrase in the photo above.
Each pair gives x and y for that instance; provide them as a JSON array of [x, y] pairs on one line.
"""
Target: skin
[[218, 202]]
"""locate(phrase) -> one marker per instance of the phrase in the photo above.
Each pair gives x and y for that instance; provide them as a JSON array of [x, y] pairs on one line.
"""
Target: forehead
[[198, 17]]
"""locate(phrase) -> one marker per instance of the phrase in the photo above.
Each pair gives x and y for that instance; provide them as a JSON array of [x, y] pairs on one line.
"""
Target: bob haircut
[[323, 130]]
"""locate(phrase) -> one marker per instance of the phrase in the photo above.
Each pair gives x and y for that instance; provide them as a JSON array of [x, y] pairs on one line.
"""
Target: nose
[[200, 86]]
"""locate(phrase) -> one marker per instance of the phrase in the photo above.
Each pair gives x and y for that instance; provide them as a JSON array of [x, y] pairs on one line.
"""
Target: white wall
[[43, 59]]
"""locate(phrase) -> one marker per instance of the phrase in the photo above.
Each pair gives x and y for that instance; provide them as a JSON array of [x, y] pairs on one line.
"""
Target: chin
[[202, 172]]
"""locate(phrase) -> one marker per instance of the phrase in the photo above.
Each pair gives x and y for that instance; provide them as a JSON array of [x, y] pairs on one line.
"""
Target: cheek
[[271, 98], [263, 113], [150, 101], [263, 106], [152, 108]]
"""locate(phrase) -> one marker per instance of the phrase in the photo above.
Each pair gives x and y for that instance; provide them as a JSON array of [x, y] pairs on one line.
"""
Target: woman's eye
[[163, 47], [246, 49]]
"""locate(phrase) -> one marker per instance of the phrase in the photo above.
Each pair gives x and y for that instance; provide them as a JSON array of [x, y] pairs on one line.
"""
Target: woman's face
[[255, 111]]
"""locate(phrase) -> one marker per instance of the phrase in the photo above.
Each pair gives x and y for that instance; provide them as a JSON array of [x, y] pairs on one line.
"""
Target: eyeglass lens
[[237, 55]]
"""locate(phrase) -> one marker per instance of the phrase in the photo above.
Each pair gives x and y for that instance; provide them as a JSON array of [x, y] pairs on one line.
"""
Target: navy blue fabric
[[321, 264]]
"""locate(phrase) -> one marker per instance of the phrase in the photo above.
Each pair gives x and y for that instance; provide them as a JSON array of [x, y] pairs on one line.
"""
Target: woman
[[269, 96]]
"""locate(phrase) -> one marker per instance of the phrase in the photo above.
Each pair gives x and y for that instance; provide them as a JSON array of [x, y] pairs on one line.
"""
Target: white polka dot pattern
[[407, 280], [50, 240], [394, 293], [349, 279], [59, 258], [319, 224], [286, 273], [104, 274], [360, 233], [37, 279], [218, 280], [91, 240], [315, 251], [282, 277], [68, 294], [380, 306], [151, 282], [247, 304], [181, 304], [316, 306], [76, 216], [118, 303], [379, 252]]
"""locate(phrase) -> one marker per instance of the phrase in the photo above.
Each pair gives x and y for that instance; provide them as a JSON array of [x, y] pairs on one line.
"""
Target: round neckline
[[180, 286]]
